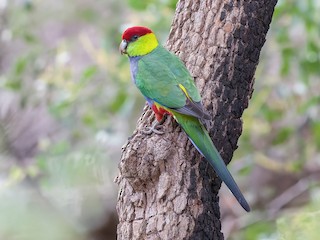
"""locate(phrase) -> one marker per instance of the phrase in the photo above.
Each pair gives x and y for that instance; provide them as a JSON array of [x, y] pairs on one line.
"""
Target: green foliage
[[282, 123], [26, 216], [298, 17], [302, 224], [283, 135], [260, 230], [315, 128], [143, 5], [285, 102]]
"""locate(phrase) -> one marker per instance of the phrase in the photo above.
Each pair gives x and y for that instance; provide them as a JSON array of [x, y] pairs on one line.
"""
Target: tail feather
[[202, 141]]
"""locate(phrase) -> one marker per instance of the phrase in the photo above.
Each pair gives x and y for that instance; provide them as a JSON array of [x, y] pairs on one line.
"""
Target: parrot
[[169, 89]]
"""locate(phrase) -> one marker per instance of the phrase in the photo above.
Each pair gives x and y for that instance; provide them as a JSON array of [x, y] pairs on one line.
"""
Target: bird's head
[[138, 41]]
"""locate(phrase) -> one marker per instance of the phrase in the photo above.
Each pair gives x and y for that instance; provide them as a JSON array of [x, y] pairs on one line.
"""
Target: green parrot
[[169, 88]]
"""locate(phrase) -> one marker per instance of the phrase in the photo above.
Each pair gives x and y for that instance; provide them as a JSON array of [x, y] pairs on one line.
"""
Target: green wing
[[163, 78]]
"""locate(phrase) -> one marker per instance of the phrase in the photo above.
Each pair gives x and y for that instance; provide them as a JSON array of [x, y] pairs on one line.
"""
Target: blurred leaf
[[143, 5], [60, 108], [287, 54], [14, 84], [88, 119], [271, 114], [89, 73], [29, 38], [118, 102], [302, 225], [258, 230], [283, 135], [88, 14], [59, 148], [17, 174], [315, 128], [20, 66], [312, 101], [172, 4], [25, 215], [139, 5]]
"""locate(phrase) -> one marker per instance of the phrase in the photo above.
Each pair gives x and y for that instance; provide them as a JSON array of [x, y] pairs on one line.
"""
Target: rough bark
[[167, 190]]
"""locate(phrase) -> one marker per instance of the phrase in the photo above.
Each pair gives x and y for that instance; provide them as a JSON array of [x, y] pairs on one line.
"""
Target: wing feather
[[172, 87]]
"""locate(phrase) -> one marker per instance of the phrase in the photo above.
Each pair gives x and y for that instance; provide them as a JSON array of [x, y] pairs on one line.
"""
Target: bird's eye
[[135, 37]]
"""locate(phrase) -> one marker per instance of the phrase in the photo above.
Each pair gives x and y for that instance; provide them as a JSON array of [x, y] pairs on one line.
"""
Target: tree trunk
[[167, 190]]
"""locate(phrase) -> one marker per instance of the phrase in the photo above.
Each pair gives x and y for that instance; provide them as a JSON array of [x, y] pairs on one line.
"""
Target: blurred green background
[[67, 105]]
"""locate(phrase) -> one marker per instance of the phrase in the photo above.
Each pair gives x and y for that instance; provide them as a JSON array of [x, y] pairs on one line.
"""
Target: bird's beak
[[123, 47]]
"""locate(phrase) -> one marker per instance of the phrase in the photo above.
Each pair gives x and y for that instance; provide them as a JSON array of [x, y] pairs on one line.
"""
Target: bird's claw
[[155, 128]]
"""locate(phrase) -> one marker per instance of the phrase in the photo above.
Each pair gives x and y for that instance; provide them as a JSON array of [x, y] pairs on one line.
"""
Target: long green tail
[[202, 141]]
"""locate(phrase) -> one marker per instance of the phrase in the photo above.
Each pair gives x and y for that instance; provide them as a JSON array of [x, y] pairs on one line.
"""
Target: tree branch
[[167, 190]]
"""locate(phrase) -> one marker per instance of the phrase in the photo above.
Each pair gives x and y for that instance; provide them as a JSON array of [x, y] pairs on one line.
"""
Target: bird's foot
[[155, 128]]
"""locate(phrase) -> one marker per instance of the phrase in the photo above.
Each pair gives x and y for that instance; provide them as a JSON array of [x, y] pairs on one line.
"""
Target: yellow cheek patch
[[143, 45]]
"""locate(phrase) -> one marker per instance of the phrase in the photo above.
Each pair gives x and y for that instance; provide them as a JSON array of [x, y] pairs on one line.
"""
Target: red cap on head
[[137, 30]]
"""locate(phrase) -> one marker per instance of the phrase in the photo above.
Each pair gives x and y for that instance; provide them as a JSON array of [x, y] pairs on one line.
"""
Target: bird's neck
[[144, 45]]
